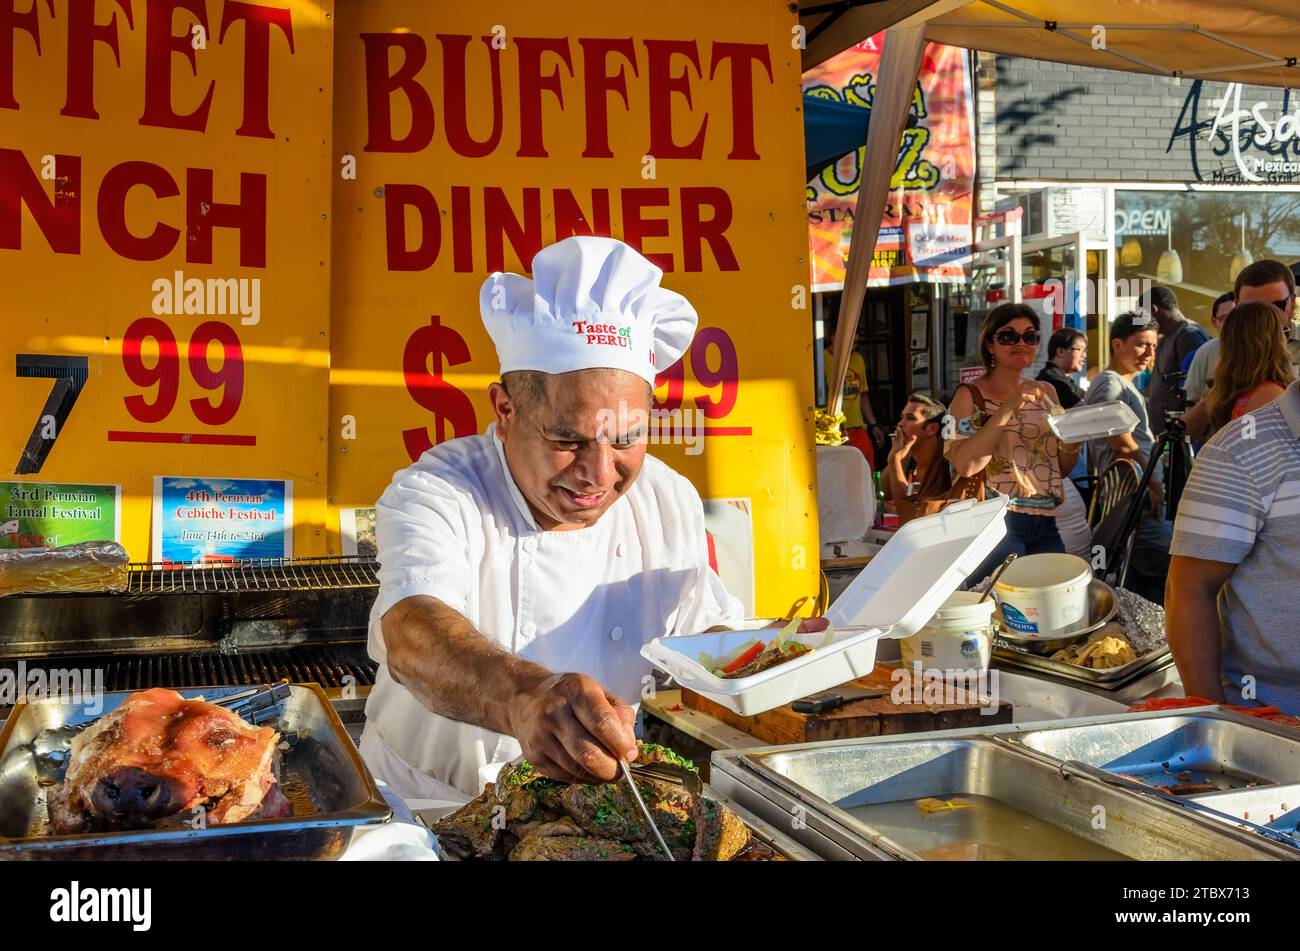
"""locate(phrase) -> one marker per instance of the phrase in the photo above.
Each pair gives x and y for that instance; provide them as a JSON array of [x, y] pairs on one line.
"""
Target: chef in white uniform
[[522, 570]]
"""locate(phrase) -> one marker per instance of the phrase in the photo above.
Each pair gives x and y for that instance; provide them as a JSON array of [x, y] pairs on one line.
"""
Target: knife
[[828, 700], [636, 794]]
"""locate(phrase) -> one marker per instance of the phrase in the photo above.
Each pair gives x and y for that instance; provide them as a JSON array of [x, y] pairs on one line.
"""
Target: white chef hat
[[592, 302]]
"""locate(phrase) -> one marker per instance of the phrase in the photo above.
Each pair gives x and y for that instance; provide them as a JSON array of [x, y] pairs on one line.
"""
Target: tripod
[[1176, 442]]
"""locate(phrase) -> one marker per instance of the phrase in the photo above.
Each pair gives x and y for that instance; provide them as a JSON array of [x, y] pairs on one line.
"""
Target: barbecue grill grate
[[261, 574], [326, 665]]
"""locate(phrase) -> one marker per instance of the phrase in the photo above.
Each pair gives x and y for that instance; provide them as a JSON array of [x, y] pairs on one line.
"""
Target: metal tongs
[[645, 812], [257, 705]]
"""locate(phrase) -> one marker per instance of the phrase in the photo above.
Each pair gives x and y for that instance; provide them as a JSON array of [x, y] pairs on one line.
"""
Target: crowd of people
[[1224, 563]]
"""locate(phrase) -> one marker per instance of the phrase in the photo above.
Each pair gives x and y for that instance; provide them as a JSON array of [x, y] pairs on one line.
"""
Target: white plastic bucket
[[958, 637], [1044, 596]]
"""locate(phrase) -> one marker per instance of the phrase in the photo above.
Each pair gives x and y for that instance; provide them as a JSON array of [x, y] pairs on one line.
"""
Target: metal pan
[[1217, 748], [860, 797], [320, 772], [1112, 679]]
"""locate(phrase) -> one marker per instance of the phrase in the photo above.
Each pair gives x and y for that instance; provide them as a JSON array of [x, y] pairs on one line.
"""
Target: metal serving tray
[[1218, 747], [1112, 679], [320, 773], [1274, 807], [822, 785]]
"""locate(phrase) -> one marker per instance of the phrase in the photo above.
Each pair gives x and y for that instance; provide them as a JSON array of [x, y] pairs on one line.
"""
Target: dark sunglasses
[[1009, 338], [1281, 304]]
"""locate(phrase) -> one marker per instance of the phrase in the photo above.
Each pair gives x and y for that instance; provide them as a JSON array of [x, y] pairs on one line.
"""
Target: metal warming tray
[[1035, 655], [1215, 746], [320, 773], [1115, 678], [1274, 807], [856, 799]]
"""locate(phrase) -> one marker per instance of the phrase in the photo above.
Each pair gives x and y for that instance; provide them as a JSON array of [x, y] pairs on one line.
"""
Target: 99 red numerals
[[725, 377], [165, 372]]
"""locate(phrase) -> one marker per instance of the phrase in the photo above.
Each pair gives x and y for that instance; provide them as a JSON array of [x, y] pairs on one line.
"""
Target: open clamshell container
[[1093, 421], [894, 596]]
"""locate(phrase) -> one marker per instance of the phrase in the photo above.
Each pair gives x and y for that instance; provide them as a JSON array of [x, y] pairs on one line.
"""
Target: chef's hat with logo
[[592, 302]]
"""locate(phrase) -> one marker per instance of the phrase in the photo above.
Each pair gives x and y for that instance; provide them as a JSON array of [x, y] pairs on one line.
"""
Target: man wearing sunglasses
[[1179, 339], [1271, 281]]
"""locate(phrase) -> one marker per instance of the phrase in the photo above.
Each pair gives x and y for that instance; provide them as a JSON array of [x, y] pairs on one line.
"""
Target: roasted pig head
[[159, 754]]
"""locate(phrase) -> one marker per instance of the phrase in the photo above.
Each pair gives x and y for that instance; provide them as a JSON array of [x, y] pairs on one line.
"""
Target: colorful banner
[[49, 515], [164, 245], [216, 521], [925, 234], [481, 133]]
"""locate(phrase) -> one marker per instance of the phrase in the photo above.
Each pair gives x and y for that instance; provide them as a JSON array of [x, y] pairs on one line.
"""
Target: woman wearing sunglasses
[[1001, 430]]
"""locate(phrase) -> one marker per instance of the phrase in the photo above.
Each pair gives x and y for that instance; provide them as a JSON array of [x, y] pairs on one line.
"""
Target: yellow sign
[[164, 248], [481, 133]]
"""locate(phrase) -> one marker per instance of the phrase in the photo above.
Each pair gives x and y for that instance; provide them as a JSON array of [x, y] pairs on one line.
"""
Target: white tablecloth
[[401, 839]]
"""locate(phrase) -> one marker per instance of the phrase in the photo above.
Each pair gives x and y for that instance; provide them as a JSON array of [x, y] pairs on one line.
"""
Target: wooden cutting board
[[877, 716]]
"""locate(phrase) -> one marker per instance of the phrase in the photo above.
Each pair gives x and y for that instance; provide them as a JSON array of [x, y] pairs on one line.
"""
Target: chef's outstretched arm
[[568, 725]]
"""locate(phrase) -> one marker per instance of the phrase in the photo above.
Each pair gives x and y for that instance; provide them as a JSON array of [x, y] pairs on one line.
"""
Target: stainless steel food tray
[[1113, 679], [320, 772], [1225, 749], [809, 789], [1274, 807]]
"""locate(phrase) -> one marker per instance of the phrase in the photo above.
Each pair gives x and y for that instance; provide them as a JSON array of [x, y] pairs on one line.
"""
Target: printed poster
[[219, 521], [50, 514]]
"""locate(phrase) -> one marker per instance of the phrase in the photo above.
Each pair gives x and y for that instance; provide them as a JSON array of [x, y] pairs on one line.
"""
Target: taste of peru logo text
[[604, 334]]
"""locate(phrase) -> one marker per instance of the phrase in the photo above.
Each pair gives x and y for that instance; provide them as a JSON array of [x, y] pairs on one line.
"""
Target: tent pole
[[900, 63]]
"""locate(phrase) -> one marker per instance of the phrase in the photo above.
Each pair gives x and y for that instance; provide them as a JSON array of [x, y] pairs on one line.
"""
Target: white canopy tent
[[1246, 41]]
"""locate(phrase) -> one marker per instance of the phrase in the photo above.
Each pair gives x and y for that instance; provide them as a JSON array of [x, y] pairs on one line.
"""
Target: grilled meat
[[159, 755], [562, 841], [537, 819], [719, 832], [472, 830]]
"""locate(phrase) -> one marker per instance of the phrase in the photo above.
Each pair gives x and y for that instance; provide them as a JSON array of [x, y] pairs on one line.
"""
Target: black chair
[[1118, 482]]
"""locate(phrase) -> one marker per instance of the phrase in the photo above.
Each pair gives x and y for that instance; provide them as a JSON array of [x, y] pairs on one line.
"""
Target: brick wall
[[1068, 123]]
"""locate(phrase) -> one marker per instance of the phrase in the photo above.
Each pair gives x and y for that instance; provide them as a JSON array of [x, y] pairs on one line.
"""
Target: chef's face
[[576, 447]]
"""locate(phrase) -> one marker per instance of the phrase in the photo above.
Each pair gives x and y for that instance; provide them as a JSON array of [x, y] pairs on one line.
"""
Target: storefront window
[[1195, 242]]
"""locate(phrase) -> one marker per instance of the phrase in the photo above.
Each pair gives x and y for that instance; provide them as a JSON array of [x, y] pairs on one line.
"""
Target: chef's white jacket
[[456, 527]]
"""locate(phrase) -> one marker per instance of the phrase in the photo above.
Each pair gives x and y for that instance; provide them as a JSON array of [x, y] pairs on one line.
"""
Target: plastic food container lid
[[1093, 421], [903, 586]]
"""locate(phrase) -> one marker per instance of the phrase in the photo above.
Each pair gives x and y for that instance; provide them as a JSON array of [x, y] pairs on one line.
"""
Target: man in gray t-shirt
[[1132, 348], [1236, 558]]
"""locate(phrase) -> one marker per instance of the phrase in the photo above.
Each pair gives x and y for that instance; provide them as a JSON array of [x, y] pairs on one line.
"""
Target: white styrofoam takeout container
[[1093, 421], [893, 596]]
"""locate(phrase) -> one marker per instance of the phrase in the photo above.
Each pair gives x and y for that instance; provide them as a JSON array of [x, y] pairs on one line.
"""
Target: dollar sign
[[440, 346]]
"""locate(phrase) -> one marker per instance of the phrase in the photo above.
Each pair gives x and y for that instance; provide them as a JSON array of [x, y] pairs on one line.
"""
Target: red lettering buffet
[[655, 78], [421, 94]]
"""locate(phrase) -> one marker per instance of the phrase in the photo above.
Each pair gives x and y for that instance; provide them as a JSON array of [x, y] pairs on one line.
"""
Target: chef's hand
[[572, 730]]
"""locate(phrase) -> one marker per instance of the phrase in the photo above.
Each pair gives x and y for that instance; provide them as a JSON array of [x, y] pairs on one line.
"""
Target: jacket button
[[618, 550], [616, 634]]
